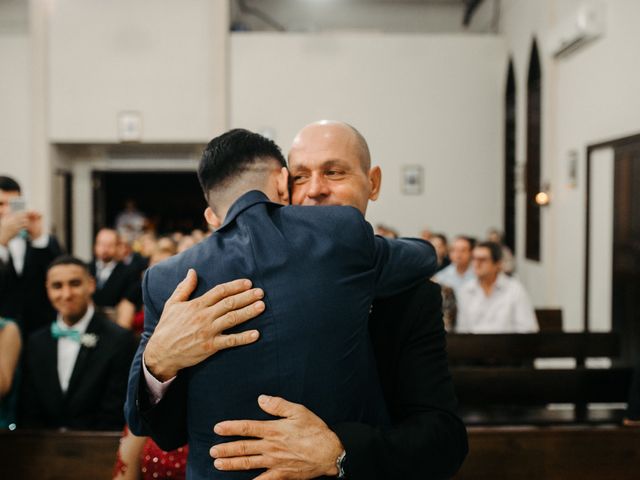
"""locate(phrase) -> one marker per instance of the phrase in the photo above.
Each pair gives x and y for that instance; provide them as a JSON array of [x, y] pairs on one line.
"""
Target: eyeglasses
[[480, 259]]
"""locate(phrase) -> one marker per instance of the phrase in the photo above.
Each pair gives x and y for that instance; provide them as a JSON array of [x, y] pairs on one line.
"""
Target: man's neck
[[487, 283], [462, 269]]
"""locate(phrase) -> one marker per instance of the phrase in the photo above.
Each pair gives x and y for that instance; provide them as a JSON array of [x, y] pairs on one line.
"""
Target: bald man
[[330, 164]]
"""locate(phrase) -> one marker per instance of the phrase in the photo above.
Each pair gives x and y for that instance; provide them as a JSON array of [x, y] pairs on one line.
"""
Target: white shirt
[[17, 248], [507, 310], [68, 349], [103, 271], [450, 277]]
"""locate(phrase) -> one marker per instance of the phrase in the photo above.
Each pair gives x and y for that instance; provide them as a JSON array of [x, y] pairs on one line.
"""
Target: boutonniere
[[89, 340]]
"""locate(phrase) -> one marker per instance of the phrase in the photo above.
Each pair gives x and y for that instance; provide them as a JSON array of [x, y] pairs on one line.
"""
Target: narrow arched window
[[532, 171], [510, 160]]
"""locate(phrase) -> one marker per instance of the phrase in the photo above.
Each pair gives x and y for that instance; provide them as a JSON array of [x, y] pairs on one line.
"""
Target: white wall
[[589, 97], [434, 101], [162, 58], [14, 94]]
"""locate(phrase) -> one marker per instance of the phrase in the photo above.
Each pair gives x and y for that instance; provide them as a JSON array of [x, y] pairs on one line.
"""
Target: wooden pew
[[549, 319], [495, 453], [496, 383], [53, 455], [552, 453]]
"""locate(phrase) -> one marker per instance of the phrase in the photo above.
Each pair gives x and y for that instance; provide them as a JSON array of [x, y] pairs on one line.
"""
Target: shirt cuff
[[155, 388], [4, 254], [41, 242]]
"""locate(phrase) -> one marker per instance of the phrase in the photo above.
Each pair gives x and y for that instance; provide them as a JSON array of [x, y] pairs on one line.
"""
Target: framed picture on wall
[[412, 179]]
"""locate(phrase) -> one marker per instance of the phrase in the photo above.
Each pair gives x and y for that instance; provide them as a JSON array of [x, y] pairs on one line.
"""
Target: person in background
[[386, 231], [130, 221], [113, 278], [508, 262], [493, 302], [131, 259], [440, 243], [10, 347], [140, 458], [25, 251], [76, 369], [460, 271], [129, 312]]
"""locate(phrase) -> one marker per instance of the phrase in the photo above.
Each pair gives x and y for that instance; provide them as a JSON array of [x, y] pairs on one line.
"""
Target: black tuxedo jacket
[[428, 440], [98, 385], [116, 286], [24, 298]]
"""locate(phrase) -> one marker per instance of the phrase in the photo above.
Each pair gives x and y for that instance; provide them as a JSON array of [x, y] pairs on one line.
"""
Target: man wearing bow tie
[[77, 367]]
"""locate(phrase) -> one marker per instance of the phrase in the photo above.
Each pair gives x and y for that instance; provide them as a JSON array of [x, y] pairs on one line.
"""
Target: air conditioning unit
[[579, 29]]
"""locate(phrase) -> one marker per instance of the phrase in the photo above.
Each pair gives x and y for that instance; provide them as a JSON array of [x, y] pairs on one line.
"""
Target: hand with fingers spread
[[189, 331], [298, 446]]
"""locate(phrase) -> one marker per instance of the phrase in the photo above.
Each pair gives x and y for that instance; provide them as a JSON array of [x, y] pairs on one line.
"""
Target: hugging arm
[[399, 263], [186, 332]]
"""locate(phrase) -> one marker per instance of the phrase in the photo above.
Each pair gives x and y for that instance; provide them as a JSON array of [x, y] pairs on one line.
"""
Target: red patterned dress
[[155, 463]]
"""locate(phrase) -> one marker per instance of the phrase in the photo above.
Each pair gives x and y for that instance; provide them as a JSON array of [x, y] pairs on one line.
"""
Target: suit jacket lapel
[[84, 356], [49, 369]]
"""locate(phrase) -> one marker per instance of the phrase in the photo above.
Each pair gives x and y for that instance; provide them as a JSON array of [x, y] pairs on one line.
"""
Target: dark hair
[[470, 240], [494, 248], [230, 154], [68, 260], [8, 184], [441, 236]]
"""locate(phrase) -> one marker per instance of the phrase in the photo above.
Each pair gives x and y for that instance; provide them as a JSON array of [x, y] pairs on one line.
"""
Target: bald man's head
[[347, 135], [330, 164]]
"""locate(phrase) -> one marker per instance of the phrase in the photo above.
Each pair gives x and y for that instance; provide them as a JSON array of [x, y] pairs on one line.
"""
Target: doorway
[[623, 178], [172, 201]]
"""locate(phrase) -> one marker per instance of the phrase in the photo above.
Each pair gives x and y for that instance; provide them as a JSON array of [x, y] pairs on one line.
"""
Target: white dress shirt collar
[[68, 349]]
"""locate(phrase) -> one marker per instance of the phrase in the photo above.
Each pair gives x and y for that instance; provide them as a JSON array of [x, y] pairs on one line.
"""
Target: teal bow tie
[[57, 332]]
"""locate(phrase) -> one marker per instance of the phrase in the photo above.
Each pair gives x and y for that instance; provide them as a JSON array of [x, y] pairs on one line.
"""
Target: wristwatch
[[340, 464]]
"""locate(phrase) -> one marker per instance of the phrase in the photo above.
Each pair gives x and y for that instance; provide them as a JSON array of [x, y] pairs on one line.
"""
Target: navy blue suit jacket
[[320, 269]]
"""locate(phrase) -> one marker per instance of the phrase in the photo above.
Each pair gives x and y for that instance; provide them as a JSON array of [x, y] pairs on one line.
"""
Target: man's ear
[[92, 284], [211, 218], [283, 186], [375, 180]]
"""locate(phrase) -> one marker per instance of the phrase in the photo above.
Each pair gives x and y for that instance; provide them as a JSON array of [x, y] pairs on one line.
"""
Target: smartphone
[[17, 204]]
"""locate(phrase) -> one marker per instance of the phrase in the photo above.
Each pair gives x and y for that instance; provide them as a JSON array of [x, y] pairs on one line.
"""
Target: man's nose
[[317, 187], [66, 292]]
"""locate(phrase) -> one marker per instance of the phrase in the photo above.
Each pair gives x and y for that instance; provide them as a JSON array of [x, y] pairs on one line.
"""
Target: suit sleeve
[[427, 439], [165, 422], [401, 263]]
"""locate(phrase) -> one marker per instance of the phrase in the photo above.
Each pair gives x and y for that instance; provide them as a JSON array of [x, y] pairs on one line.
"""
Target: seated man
[[459, 270], [320, 267], [76, 368], [494, 302]]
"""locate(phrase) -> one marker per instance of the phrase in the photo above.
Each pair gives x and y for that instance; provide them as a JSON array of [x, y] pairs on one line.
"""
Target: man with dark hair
[[76, 368], [320, 270], [493, 302], [25, 252], [459, 271], [329, 166]]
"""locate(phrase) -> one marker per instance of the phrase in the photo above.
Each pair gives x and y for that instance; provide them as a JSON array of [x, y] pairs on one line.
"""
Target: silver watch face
[[340, 464]]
